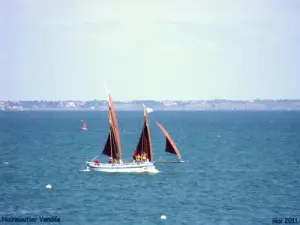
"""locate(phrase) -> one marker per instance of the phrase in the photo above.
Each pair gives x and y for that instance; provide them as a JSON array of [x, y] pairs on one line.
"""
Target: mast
[[170, 144], [145, 143], [110, 139]]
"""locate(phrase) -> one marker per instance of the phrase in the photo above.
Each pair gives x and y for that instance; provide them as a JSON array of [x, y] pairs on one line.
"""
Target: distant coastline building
[[169, 103]]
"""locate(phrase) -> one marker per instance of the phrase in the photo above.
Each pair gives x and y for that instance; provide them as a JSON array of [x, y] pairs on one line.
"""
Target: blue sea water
[[240, 168]]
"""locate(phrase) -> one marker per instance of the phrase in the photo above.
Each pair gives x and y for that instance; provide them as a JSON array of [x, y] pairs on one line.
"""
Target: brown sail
[[170, 145], [115, 123], [145, 144], [113, 146], [110, 148]]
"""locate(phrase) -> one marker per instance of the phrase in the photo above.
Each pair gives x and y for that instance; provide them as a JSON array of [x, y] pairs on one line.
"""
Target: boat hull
[[143, 167]]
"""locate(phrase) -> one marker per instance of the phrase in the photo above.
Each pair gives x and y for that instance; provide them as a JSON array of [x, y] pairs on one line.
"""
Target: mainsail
[[113, 146], [170, 145], [145, 144]]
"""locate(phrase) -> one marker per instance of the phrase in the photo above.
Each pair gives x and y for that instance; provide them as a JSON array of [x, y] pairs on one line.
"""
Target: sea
[[239, 168]]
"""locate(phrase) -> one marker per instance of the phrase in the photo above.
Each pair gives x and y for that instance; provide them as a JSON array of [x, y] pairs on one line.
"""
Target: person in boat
[[144, 156], [96, 162], [114, 160], [110, 160], [138, 158], [134, 156]]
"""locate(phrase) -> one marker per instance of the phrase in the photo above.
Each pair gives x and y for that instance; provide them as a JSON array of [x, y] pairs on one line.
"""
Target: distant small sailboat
[[84, 126]]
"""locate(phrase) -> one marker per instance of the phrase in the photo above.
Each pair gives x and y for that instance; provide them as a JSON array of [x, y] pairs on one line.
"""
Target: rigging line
[[95, 158], [142, 138], [144, 123], [148, 114], [158, 159], [110, 143]]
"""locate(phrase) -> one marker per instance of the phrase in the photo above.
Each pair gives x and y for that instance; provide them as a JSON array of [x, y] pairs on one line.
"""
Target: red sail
[[114, 120], [145, 144], [113, 146], [170, 145], [84, 126]]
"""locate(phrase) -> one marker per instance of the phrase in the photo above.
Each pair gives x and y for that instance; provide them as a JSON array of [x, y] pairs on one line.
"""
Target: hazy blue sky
[[179, 49]]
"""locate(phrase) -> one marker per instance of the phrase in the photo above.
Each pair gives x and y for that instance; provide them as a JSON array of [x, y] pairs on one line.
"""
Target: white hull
[[141, 167]]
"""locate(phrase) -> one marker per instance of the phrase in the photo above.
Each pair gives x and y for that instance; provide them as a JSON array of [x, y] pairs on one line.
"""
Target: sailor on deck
[[144, 156], [96, 162]]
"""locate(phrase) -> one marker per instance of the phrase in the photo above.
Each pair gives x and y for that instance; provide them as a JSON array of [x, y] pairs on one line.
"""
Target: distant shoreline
[[195, 105]]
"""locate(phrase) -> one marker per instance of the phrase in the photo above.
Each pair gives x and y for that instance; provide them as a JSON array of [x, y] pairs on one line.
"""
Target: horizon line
[[162, 100]]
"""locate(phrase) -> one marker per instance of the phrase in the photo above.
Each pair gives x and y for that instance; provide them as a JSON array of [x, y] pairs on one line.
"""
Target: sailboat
[[113, 149], [170, 146], [84, 126]]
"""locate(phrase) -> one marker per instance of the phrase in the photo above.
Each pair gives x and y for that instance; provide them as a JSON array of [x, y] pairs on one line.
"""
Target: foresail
[[110, 148], [170, 145], [145, 144]]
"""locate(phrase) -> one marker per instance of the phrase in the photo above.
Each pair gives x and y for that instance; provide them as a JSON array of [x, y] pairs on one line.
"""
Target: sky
[[158, 50]]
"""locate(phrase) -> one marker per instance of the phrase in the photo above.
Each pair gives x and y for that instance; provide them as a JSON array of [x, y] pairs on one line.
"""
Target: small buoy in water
[[163, 217], [48, 186]]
